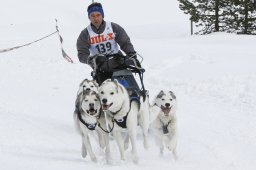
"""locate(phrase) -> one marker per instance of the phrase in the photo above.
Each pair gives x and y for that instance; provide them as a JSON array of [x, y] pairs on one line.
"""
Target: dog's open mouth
[[166, 110], [106, 107], [91, 111]]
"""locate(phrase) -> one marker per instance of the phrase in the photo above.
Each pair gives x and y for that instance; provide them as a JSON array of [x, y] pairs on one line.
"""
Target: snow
[[213, 77]]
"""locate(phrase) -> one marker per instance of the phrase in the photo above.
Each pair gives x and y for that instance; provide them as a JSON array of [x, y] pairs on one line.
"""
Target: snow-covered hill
[[213, 76]]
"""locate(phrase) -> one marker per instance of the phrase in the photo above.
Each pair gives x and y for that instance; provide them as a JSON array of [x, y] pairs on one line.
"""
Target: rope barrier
[[13, 48], [64, 54]]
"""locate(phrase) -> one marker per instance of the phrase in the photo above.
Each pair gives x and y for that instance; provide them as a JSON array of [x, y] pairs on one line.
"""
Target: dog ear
[[79, 101], [117, 84], [172, 94], [115, 81], [104, 82], [96, 94], [95, 83], [160, 94], [85, 80], [93, 93], [120, 87]]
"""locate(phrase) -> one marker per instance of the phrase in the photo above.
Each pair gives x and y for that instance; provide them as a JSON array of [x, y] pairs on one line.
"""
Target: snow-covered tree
[[247, 16], [205, 13], [221, 15]]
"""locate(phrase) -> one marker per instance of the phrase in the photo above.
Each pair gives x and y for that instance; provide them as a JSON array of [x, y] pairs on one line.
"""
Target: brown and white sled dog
[[164, 126], [87, 117], [85, 85], [116, 102]]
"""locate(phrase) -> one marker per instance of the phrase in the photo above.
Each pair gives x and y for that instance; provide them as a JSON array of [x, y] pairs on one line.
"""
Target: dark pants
[[102, 76]]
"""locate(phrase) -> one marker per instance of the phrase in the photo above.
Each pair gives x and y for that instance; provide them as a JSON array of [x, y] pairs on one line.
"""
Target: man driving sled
[[97, 45]]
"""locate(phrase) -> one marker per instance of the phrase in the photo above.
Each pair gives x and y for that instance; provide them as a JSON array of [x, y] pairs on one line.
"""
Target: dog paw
[[135, 159], [122, 157], [161, 151], [83, 152], [109, 161], [175, 154], [94, 159]]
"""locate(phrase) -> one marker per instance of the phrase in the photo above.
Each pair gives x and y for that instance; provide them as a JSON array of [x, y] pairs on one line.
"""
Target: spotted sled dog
[[164, 125]]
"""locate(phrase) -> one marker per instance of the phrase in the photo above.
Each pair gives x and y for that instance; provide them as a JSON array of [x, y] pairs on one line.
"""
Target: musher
[[99, 40]]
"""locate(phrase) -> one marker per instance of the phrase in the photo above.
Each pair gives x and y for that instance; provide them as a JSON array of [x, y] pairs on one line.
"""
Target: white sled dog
[[116, 102], [164, 126], [87, 85], [87, 116]]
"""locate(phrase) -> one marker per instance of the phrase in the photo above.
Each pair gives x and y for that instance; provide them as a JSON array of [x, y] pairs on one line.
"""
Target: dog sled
[[124, 69]]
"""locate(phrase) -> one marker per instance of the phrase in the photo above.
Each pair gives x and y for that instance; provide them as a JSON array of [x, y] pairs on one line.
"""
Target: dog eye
[[101, 92], [92, 86], [163, 99], [112, 93], [95, 100], [170, 99], [86, 100]]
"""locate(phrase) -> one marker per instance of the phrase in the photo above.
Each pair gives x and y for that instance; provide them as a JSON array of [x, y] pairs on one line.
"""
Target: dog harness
[[89, 126], [122, 122], [165, 127]]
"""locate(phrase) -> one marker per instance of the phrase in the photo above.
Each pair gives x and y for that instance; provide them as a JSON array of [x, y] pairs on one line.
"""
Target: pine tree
[[230, 16], [247, 17], [189, 8], [205, 13], [221, 15]]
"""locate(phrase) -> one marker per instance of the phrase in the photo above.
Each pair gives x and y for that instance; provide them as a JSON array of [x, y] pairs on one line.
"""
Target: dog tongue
[[105, 107], [92, 111], [166, 110]]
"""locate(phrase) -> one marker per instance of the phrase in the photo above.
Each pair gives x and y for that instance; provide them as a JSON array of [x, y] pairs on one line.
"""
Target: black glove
[[132, 55], [90, 60], [100, 59], [130, 59], [97, 59]]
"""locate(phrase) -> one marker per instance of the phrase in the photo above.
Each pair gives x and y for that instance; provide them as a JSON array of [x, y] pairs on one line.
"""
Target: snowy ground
[[213, 76]]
